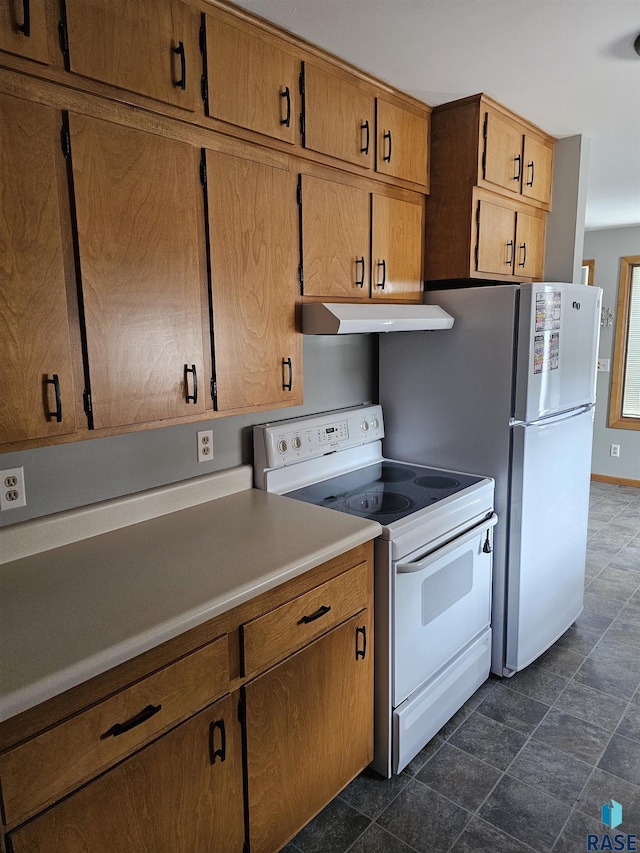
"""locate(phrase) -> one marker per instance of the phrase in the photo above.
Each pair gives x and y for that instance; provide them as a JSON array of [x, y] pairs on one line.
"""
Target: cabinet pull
[[55, 381], [222, 752], [182, 82], [365, 126], [518, 159], [361, 632], [510, 247], [382, 264], [287, 384], [286, 121], [387, 138], [321, 611], [25, 26], [532, 167], [360, 281], [142, 717], [191, 398], [523, 254]]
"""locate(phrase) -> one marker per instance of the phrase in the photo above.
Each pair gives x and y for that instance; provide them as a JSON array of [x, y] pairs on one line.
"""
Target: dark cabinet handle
[[55, 381], [510, 247], [365, 126], [361, 632], [532, 167], [217, 753], [287, 384], [523, 251], [182, 82], [191, 398], [321, 611], [382, 265], [142, 717], [25, 26], [518, 159], [360, 281], [387, 138], [286, 121]]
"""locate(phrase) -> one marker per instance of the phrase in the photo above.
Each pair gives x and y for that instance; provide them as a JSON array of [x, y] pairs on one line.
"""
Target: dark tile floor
[[528, 761]]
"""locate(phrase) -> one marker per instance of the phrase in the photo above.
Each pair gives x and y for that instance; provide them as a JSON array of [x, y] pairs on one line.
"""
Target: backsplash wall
[[338, 372]]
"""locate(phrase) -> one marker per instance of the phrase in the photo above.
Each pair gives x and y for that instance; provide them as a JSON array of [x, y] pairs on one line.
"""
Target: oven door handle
[[428, 559]]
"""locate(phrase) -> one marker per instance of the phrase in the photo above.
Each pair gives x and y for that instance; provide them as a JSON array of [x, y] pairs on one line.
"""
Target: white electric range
[[432, 564]]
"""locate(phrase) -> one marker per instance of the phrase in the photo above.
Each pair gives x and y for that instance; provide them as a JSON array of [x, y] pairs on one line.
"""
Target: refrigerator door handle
[[554, 419]]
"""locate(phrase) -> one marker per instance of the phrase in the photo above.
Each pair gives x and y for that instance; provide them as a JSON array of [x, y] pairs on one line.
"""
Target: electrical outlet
[[205, 445], [12, 494], [615, 450]]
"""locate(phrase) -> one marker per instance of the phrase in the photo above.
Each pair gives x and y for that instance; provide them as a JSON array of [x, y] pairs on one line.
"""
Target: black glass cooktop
[[386, 491]]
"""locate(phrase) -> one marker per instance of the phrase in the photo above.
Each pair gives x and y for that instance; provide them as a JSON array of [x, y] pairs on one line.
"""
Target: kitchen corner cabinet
[[252, 81], [402, 142], [143, 272], [150, 47], [338, 116], [254, 260], [36, 376], [23, 29], [340, 223]]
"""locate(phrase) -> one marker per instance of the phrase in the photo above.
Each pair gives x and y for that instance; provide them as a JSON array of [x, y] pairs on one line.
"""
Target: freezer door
[[558, 330], [547, 533]]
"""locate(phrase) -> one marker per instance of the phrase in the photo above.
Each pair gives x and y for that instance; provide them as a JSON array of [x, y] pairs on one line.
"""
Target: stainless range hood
[[340, 318]]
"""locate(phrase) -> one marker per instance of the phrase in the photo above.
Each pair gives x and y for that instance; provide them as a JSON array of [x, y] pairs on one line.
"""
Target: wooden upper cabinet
[[150, 47], [36, 384], [537, 163], [338, 117], [396, 249], [496, 231], [23, 28], [401, 142], [253, 231], [140, 227], [335, 239], [530, 232], [252, 83]]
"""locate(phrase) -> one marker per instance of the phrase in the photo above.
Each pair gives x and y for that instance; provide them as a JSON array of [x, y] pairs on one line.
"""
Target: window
[[624, 411]]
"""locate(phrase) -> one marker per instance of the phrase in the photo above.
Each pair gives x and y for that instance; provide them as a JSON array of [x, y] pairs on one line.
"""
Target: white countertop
[[74, 611]]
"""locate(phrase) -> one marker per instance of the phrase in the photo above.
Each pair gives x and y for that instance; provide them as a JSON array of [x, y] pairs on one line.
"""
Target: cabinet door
[[23, 28], [396, 253], [309, 731], [338, 117], [149, 47], [35, 365], [502, 158], [254, 258], [252, 83], [529, 259], [537, 170], [140, 221], [335, 239], [401, 149], [181, 793], [495, 248]]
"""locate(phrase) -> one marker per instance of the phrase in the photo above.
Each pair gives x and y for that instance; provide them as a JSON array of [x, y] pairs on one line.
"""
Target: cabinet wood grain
[[396, 249], [23, 29], [530, 231], [401, 147], [496, 238]]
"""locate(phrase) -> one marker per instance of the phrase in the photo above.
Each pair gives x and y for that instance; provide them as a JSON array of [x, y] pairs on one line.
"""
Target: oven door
[[442, 601]]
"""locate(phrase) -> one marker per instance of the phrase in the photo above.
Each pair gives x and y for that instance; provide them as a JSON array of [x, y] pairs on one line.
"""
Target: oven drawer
[[57, 761], [442, 601], [291, 626]]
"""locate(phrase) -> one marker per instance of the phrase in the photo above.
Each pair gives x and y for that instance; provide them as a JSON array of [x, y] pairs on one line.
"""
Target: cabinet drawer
[[54, 763], [286, 629]]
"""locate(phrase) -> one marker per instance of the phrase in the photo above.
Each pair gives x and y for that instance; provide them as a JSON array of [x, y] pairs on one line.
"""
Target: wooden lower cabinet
[[180, 794], [309, 731]]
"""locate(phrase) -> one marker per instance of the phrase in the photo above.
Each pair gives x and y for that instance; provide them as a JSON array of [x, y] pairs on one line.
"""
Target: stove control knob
[[375, 423], [364, 426], [296, 442], [282, 446]]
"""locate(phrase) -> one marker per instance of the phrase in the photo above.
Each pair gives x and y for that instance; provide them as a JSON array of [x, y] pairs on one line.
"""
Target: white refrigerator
[[509, 392]]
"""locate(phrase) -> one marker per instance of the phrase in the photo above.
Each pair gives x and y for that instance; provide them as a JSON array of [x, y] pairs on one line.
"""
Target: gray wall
[[606, 247], [337, 372], [565, 222]]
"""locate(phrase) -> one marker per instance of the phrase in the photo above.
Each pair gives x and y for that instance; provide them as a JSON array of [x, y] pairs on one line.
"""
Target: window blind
[[631, 392]]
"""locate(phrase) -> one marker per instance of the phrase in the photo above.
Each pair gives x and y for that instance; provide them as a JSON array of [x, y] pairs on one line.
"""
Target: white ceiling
[[567, 65]]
